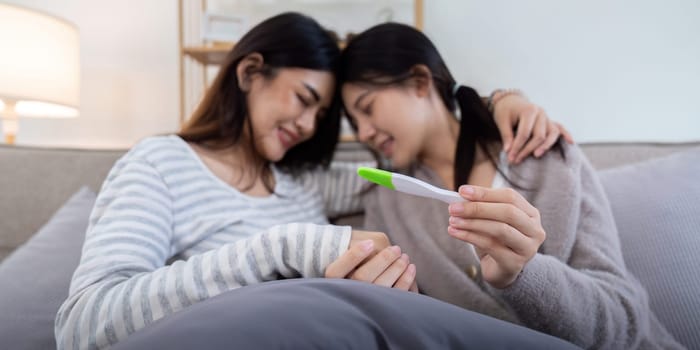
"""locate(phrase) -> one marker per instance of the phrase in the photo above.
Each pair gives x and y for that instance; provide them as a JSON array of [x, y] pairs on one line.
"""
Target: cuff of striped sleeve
[[321, 245], [345, 233]]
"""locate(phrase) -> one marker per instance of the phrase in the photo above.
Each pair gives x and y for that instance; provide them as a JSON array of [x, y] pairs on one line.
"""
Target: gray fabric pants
[[332, 314]]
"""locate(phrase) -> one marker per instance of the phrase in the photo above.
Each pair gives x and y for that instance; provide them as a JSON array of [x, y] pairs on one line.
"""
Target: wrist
[[498, 95]]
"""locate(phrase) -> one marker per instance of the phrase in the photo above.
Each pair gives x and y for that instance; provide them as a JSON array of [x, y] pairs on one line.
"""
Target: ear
[[421, 79], [246, 69]]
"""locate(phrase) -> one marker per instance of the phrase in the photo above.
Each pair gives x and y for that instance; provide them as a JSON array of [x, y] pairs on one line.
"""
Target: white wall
[[341, 16], [610, 70], [129, 73]]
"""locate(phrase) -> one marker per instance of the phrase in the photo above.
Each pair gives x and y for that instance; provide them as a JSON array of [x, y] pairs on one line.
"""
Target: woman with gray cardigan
[[533, 243]]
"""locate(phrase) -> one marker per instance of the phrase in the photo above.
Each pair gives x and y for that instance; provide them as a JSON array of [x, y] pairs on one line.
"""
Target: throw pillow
[[656, 205], [36, 277]]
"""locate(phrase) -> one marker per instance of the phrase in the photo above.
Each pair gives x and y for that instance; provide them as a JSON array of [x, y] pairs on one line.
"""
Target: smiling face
[[393, 120], [285, 107]]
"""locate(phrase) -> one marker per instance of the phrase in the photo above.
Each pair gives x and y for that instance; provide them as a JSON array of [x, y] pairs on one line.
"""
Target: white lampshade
[[39, 64]]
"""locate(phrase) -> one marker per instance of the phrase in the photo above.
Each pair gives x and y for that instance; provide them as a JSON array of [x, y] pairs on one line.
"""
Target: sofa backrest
[[35, 181]]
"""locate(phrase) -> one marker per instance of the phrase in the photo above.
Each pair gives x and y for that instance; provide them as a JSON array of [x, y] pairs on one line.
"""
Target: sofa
[[653, 190]]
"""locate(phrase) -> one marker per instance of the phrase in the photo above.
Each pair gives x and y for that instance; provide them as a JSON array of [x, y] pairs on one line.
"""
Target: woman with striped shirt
[[234, 199]]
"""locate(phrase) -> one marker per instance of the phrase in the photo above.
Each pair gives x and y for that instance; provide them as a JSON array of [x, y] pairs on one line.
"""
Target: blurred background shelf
[[208, 30], [208, 54]]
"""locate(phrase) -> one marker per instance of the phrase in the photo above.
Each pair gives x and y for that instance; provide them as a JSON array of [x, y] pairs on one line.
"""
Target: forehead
[[352, 91], [320, 81]]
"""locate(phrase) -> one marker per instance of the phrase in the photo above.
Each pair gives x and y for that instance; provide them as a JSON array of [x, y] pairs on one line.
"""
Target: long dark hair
[[284, 41], [385, 55]]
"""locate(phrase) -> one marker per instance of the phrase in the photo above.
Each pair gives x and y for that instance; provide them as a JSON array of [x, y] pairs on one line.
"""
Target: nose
[[365, 130], [306, 123]]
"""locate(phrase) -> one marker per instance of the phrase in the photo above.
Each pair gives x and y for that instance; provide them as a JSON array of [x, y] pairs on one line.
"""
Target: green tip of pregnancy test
[[379, 177]]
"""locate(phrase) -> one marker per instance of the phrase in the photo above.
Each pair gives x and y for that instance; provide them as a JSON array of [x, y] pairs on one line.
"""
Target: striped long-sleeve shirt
[[161, 203]]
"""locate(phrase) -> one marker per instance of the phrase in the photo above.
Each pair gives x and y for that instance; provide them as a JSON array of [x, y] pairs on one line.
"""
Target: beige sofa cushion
[[34, 182], [656, 205], [36, 277]]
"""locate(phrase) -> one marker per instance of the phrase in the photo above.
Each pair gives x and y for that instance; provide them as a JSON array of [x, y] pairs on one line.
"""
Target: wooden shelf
[[215, 54], [208, 55], [190, 15]]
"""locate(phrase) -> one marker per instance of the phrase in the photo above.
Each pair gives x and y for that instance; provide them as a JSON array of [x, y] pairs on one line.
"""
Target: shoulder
[[155, 154], [557, 174], [564, 161], [153, 148]]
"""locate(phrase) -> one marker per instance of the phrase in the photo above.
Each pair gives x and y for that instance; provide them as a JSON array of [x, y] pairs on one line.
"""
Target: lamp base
[[9, 130], [9, 122]]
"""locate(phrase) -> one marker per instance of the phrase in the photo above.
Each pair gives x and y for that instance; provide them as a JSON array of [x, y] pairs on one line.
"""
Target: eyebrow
[[359, 99], [313, 92]]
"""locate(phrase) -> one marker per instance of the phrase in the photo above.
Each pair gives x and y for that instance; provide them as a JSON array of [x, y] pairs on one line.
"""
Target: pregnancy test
[[407, 184], [411, 185]]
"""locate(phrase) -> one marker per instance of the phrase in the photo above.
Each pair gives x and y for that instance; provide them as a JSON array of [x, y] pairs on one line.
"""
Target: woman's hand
[[503, 227], [536, 133], [370, 258]]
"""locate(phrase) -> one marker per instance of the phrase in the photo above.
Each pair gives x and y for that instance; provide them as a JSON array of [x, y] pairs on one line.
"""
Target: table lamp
[[39, 67]]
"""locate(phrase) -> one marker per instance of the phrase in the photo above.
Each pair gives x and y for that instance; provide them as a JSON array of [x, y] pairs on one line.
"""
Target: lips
[[287, 138]]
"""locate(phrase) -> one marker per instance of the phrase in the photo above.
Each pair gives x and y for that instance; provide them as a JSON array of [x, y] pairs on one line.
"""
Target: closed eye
[[368, 109], [303, 101]]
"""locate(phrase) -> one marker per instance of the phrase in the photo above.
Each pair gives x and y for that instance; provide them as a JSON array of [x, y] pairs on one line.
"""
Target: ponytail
[[476, 129]]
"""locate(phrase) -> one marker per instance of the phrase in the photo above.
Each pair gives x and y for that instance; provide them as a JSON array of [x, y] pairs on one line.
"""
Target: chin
[[274, 156], [399, 162], [272, 153]]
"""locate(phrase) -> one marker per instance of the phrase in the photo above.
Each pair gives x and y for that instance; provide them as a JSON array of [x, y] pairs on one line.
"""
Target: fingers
[[407, 280], [553, 135], [352, 258], [501, 212], [505, 258], [389, 268], [375, 266], [488, 245], [565, 133], [503, 227], [414, 286], [392, 274], [539, 135], [497, 195], [505, 128], [501, 232], [526, 123]]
